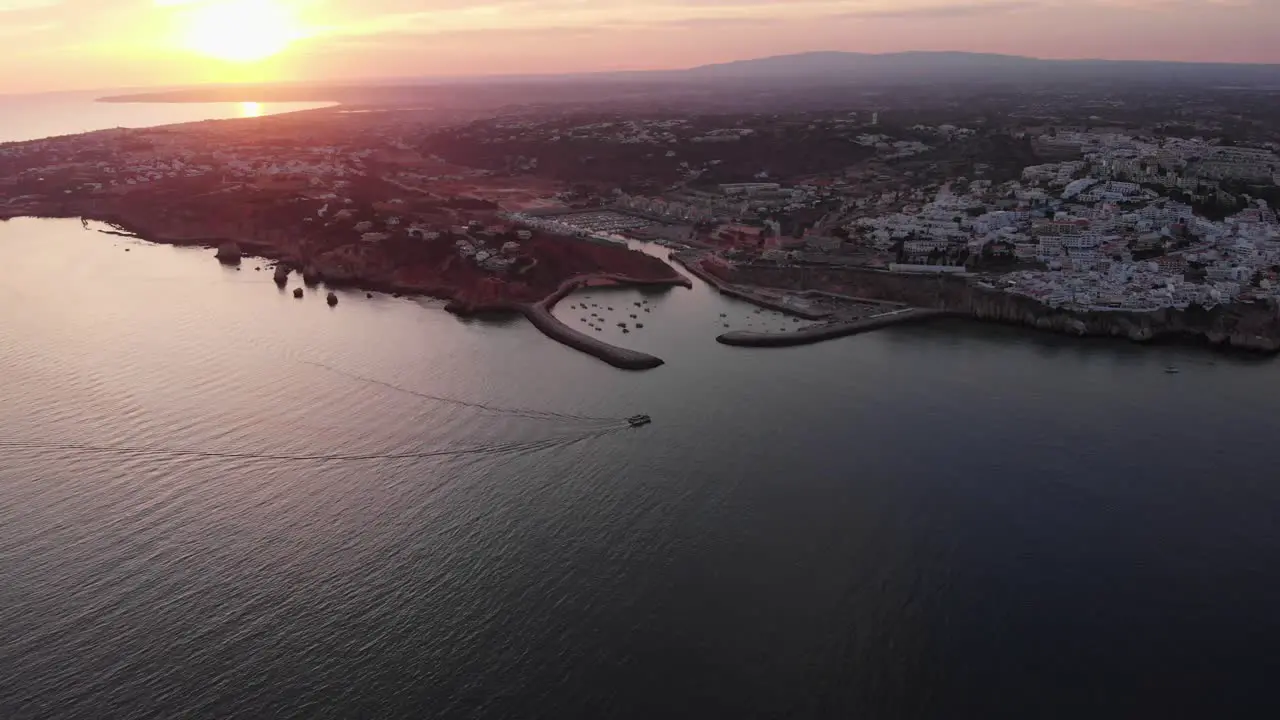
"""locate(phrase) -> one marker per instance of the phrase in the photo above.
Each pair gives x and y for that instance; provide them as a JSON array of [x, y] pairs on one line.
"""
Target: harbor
[[541, 316]]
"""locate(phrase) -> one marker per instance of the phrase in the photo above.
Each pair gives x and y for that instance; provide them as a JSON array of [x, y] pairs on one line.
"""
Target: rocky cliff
[[1247, 326], [397, 264]]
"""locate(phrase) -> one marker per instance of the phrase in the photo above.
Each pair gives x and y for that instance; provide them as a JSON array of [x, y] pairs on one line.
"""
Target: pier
[[828, 331], [745, 294]]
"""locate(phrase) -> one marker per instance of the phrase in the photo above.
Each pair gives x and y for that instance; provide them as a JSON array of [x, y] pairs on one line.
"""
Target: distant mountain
[[836, 64], [802, 71], [824, 67]]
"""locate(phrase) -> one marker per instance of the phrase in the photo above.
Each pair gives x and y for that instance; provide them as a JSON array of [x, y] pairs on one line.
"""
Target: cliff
[[337, 256], [1245, 326]]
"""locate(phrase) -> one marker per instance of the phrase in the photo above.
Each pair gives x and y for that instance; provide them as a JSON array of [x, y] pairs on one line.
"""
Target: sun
[[242, 31]]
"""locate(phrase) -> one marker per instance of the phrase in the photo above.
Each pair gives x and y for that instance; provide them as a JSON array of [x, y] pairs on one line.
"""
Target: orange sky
[[89, 44]]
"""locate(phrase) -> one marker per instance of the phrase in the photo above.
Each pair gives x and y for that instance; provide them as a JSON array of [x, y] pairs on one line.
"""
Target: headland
[[465, 293]]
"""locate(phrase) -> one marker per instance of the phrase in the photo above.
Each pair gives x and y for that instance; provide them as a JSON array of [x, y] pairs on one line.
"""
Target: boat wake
[[511, 412], [529, 446], [579, 428]]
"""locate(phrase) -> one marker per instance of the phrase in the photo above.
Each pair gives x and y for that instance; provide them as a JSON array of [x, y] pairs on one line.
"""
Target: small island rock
[[331, 299], [228, 253], [297, 292]]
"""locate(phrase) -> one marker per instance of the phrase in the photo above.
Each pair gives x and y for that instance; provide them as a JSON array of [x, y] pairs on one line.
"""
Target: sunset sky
[[91, 44]]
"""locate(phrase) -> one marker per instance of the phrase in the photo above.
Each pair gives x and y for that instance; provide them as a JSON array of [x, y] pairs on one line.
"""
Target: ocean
[[218, 501], [31, 117]]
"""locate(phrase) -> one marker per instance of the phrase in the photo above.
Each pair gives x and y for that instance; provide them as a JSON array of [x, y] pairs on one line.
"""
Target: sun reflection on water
[[250, 109]]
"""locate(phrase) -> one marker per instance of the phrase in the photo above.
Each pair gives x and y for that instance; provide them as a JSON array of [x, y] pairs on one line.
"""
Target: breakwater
[[1242, 326], [540, 315], [828, 331]]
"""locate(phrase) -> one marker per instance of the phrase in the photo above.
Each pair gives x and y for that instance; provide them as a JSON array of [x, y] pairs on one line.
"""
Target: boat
[[1171, 370], [638, 420]]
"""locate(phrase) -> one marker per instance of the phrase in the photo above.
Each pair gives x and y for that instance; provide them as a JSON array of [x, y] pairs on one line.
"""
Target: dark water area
[[944, 520]]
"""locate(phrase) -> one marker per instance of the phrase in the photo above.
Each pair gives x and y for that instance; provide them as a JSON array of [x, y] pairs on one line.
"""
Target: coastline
[[539, 313], [1253, 328], [309, 263]]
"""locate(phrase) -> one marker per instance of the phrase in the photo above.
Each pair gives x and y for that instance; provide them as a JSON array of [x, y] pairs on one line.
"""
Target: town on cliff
[[1072, 214]]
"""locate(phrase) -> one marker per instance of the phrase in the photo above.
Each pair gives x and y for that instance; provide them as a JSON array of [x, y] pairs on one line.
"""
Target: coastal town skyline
[[78, 45]]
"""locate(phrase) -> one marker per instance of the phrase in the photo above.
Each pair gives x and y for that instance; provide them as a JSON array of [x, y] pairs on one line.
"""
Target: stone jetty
[[827, 331]]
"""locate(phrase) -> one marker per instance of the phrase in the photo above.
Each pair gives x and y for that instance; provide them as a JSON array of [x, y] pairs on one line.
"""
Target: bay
[[948, 520]]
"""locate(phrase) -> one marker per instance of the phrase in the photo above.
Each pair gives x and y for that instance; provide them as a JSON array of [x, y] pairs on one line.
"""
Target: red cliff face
[[277, 228], [486, 293], [560, 258]]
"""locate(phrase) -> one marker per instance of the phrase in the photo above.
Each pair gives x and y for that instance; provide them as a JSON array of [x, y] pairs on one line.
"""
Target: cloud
[[102, 42], [32, 22], [953, 10], [439, 18], [16, 5], [18, 30]]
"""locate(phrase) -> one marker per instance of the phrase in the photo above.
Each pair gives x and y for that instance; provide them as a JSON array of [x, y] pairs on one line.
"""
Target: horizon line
[[629, 71]]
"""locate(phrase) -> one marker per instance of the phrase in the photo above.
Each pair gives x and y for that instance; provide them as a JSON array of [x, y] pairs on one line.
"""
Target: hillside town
[[1118, 229], [1030, 198]]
